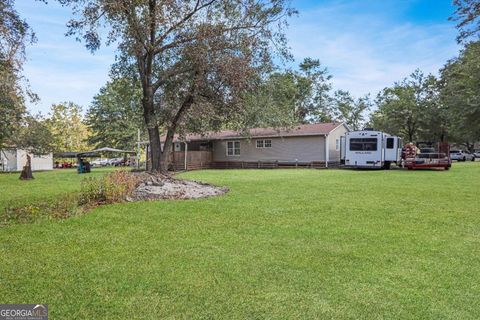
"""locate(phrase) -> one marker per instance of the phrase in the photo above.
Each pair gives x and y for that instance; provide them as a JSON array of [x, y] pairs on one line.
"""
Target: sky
[[365, 44]]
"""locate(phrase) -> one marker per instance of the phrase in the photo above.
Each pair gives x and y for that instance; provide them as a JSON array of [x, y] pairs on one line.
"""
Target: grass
[[45, 185], [333, 244]]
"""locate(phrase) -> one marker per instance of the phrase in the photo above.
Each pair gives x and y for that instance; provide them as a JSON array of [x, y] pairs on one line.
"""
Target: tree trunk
[[26, 173], [153, 131], [167, 147], [470, 146], [155, 149], [411, 133], [165, 160]]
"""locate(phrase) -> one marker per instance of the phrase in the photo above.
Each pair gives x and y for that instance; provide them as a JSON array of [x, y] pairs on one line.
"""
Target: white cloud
[[366, 52], [366, 45]]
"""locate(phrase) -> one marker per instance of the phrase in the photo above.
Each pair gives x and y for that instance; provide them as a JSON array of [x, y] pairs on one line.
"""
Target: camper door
[[391, 149]]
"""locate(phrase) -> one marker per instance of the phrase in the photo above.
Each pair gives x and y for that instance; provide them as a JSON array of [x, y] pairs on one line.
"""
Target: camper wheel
[[387, 164]]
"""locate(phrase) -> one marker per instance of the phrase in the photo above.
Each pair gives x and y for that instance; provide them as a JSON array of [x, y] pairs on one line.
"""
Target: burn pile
[[155, 187]]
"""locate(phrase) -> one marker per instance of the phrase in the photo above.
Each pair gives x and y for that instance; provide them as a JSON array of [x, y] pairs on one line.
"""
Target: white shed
[[14, 159]]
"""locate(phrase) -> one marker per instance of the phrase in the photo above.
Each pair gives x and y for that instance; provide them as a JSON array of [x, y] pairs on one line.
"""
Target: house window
[[233, 148], [337, 144], [264, 143]]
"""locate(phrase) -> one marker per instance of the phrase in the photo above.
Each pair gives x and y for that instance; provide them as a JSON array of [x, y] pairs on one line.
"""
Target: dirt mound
[[154, 187]]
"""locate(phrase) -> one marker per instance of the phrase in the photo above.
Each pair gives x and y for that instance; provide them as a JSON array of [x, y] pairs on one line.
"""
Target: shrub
[[113, 187]]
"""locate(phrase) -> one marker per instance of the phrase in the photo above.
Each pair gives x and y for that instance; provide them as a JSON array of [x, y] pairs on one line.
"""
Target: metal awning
[[87, 154], [90, 154], [113, 150]]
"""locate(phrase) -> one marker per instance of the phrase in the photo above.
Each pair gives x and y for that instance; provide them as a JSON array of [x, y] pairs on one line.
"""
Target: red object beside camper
[[427, 155]]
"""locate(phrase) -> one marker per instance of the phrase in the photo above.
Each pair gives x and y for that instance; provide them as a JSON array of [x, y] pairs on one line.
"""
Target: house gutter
[[327, 156]]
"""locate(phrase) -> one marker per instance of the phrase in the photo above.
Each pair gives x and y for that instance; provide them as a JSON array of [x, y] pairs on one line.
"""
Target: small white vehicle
[[460, 155], [99, 162], [113, 161], [370, 149], [95, 163], [477, 153]]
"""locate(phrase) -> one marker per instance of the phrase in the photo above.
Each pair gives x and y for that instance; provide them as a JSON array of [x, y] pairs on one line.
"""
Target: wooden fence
[[203, 160], [266, 165]]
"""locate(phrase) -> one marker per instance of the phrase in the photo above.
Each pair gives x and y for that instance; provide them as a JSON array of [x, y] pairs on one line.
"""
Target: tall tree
[[350, 110], [17, 128], [15, 35], [467, 15], [272, 104], [66, 125], [460, 93], [314, 100], [401, 109], [115, 115], [434, 120], [188, 54], [290, 97]]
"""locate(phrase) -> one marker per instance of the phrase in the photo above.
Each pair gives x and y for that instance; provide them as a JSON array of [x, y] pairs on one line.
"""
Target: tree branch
[[178, 42], [171, 73], [187, 17]]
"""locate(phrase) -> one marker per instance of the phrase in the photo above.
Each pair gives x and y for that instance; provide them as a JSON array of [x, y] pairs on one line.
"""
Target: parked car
[[99, 162], [96, 163], [110, 162], [477, 154], [461, 155], [117, 162]]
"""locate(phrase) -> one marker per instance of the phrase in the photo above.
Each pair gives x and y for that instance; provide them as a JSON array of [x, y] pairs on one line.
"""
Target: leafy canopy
[[115, 115], [66, 124]]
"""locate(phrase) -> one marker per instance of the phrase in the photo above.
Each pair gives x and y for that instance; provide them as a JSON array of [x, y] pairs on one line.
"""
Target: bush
[[113, 187]]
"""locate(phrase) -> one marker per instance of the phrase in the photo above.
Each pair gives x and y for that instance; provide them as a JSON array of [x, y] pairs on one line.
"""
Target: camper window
[[389, 143], [363, 144]]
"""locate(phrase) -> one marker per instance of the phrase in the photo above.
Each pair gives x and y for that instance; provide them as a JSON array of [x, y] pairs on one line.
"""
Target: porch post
[[138, 149], [186, 153], [147, 158]]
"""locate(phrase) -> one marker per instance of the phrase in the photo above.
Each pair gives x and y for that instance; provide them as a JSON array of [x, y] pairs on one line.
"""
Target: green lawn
[[47, 184], [284, 244]]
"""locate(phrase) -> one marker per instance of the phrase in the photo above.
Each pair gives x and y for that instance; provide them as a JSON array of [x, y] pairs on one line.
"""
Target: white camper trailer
[[370, 149]]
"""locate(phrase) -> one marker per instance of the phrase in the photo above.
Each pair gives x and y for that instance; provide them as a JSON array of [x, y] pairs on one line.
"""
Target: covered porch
[[187, 155]]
